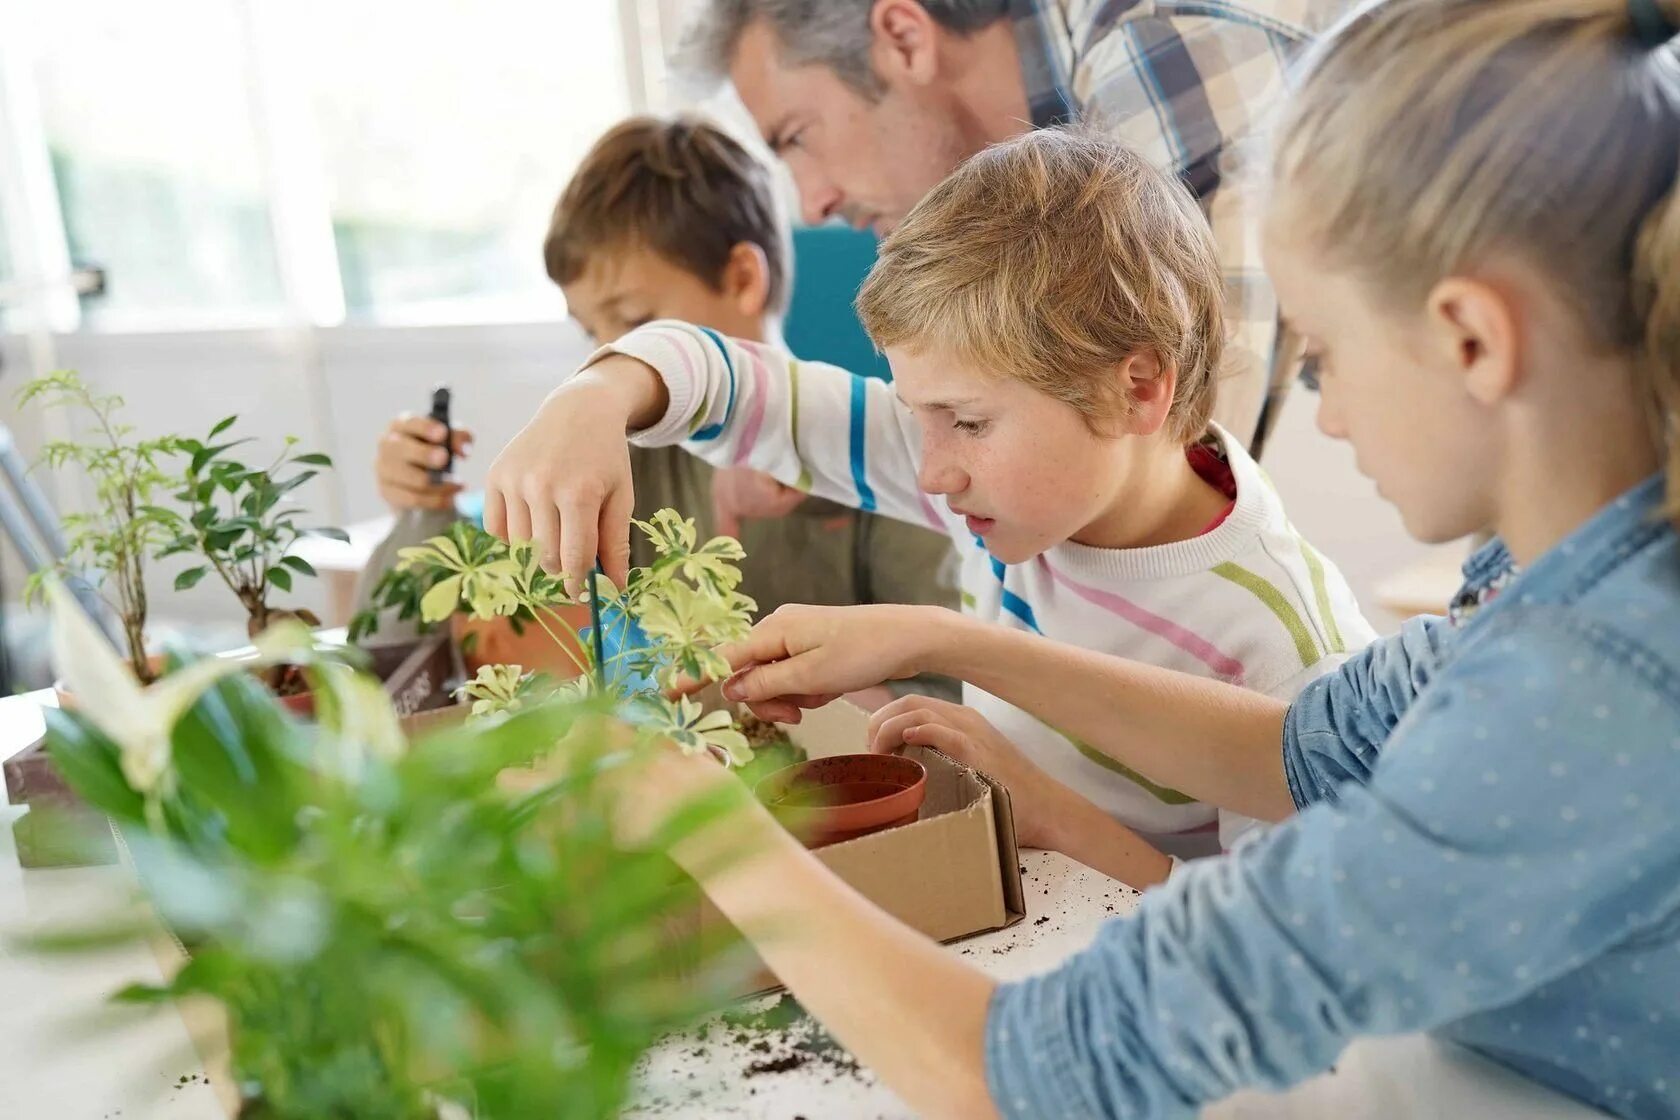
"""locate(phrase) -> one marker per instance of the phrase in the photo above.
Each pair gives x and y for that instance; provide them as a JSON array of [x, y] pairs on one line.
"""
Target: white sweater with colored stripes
[[1249, 602]]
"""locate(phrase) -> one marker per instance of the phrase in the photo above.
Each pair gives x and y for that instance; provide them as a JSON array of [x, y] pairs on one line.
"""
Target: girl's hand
[[410, 448], [966, 736]]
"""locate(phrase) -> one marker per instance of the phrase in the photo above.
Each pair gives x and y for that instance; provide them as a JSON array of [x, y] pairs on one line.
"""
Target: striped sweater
[[1248, 602]]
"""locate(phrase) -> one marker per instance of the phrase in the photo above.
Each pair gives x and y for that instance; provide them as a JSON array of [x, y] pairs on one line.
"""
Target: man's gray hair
[[832, 33]]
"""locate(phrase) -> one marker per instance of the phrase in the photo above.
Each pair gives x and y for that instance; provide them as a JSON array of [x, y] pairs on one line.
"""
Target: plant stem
[[537, 612]]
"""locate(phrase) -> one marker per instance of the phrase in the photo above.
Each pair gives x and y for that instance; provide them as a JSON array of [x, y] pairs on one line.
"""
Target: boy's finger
[[545, 526], [406, 476], [518, 521], [765, 643], [613, 542], [785, 680], [947, 740], [576, 543], [495, 513], [420, 427], [777, 711], [889, 735]]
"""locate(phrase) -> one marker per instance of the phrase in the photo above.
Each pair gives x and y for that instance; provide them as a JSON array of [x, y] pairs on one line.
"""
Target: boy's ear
[[906, 41], [746, 278], [1149, 386], [1474, 326]]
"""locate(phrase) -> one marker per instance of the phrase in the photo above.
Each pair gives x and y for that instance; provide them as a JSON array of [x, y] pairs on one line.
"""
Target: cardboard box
[[953, 873]]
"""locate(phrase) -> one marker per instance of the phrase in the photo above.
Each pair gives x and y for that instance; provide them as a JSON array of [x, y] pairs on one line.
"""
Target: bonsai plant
[[109, 547], [388, 928], [240, 525]]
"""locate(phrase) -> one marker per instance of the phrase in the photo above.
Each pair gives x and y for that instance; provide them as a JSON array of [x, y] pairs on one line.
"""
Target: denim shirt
[[1488, 848]]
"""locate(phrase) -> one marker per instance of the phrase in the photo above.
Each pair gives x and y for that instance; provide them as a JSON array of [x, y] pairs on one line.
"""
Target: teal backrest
[[829, 265]]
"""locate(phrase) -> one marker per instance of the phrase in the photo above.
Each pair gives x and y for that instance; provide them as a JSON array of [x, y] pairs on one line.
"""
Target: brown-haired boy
[[671, 218]]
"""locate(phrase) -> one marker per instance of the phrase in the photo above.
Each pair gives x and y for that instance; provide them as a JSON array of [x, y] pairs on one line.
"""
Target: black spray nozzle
[[440, 413]]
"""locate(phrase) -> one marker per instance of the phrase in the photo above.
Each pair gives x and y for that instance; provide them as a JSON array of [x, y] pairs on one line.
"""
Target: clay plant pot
[[844, 796], [495, 643], [67, 699]]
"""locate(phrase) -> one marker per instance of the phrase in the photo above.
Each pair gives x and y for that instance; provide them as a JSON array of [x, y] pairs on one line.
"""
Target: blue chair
[[829, 266]]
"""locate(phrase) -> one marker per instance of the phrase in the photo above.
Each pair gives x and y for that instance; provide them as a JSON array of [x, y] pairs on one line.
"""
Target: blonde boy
[[1053, 317]]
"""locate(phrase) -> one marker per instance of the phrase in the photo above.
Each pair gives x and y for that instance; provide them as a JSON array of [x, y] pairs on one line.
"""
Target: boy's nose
[[935, 477]]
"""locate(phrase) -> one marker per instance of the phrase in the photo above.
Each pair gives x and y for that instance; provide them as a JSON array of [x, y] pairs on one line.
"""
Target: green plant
[[109, 547], [666, 621], [237, 520], [389, 926]]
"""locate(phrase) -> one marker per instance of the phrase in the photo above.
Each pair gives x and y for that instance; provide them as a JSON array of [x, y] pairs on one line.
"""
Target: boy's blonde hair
[[1050, 258], [1428, 136]]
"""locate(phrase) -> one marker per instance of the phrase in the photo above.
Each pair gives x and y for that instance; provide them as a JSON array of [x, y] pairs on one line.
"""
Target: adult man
[[872, 102]]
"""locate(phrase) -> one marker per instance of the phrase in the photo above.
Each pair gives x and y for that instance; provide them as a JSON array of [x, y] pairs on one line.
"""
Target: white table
[[66, 1054]]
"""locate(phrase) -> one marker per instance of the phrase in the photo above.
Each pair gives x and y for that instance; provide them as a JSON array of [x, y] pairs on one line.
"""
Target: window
[[147, 117], [447, 128], [233, 162]]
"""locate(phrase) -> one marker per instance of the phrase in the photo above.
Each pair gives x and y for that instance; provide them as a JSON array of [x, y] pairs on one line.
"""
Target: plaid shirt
[[1187, 83]]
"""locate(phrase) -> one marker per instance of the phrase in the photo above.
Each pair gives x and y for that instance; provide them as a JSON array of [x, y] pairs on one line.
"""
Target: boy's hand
[[564, 480], [409, 449], [741, 493], [803, 657], [965, 735]]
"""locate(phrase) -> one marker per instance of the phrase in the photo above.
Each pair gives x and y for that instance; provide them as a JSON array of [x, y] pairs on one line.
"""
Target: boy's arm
[[811, 426], [1217, 742]]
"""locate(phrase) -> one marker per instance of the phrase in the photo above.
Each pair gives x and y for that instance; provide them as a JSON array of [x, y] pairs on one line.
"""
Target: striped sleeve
[[811, 426]]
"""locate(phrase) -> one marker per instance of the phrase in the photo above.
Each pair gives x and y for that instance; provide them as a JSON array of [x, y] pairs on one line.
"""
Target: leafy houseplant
[[664, 623], [387, 927], [109, 547], [238, 522]]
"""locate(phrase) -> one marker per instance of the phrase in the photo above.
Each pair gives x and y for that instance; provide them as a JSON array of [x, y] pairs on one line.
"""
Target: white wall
[[334, 389], [337, 388], [1337, 508]]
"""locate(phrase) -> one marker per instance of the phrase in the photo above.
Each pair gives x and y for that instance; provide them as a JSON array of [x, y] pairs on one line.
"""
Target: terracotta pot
[[67, 699], [497, 644], [300, 704], [828, 800]]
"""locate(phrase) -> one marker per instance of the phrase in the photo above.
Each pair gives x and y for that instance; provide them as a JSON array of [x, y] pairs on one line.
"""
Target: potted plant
[[240, 524], [108, 548], [664, 623], [389, 930]]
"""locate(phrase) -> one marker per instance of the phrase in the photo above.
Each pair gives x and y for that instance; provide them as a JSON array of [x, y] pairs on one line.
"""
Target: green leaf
[[298, 564], [190, 577], [441, 601], [329, 533], [280, 578], [314, 459], [142, 994], [222, 426], [88, 761]]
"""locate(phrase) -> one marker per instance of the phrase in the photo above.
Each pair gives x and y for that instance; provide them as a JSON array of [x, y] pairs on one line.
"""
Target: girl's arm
[[907, 1008]]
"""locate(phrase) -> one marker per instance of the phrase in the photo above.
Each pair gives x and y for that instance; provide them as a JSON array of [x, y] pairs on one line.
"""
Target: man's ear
[[906, 42], [1475, 328], [746, 278], [1149, 386]]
